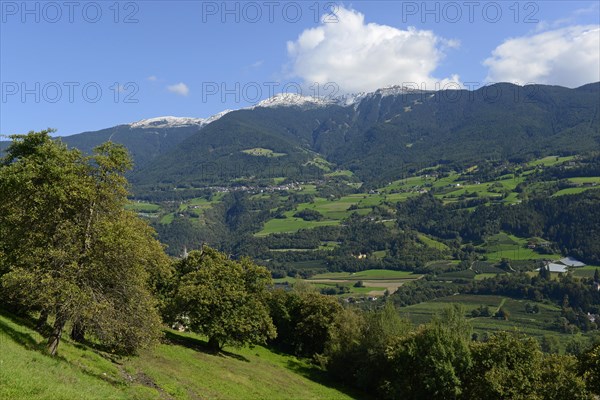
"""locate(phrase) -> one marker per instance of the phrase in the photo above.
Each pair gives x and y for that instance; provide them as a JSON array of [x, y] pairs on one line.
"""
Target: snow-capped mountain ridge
[[176, 122], [293, 99], [279, 100], [345, 100], [167, 122], [396, 90]]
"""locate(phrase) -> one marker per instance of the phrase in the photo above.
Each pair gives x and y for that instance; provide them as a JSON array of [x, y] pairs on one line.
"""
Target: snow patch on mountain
[[345, 100], [176, 122], [216, 116], [279, 100], [293, 100], [167, 122]]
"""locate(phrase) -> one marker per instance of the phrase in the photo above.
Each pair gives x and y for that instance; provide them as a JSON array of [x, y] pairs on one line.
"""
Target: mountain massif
[[378, 136]]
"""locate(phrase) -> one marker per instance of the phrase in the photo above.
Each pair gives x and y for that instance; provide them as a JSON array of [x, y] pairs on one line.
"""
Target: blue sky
[[81, 66]]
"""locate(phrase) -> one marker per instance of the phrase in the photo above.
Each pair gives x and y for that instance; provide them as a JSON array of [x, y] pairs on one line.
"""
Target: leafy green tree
[[550, 344], [223, 299], [545, 273], [431, 362], [507, 366], [502, 314], [597, 276], [304, 319], [560, 379], [589, 365], [70, 249], [576, 346], [343, 353], [356, 351]]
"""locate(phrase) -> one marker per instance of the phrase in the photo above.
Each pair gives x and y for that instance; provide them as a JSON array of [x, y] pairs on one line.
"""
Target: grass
[[308, 189], [292, 225], [179, 368], [375, 281], [333, 211], [585, 179], [27, 373], [550, 161], [371, 274], [167, 219], [432, 243], [512, 247], [260, 152], [142, 207], [575, 190], [585, 272], [340, 172], [321, 163], [380, 254]]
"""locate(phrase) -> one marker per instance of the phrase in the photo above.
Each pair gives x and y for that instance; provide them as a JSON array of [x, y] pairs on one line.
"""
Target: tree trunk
[[42, 320], [78, 332], [56, 334], [214, 345]]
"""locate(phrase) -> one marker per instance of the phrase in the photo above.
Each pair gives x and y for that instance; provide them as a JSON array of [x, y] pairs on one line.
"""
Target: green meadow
[[371, 274], [178, 368], [143, 207]]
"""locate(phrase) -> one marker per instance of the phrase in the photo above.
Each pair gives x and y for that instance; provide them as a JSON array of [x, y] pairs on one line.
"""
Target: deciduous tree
[[223, 299], [70, 249]]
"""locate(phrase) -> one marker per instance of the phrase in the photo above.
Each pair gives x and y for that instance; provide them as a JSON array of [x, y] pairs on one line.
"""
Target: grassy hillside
[[179, 368]]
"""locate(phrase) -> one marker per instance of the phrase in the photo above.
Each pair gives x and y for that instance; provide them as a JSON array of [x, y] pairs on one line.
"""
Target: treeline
[[381, 353]]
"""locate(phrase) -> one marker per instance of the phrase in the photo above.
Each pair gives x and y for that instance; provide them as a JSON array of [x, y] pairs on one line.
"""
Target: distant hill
[[144, 144], [146, 139]]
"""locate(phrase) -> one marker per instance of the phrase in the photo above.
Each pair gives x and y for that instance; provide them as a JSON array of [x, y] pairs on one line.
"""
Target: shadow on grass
[[199, 345], [29, 342], [21, 338], [317, 375]]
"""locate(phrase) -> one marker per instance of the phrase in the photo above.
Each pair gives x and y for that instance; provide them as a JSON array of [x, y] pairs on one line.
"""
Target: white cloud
[[179, 88], [568, 57], [152, 78], [363, 57]]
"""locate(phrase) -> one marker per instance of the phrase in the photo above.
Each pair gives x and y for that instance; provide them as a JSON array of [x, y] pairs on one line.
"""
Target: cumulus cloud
[[179, 88], [363, 57], [568, 57]]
